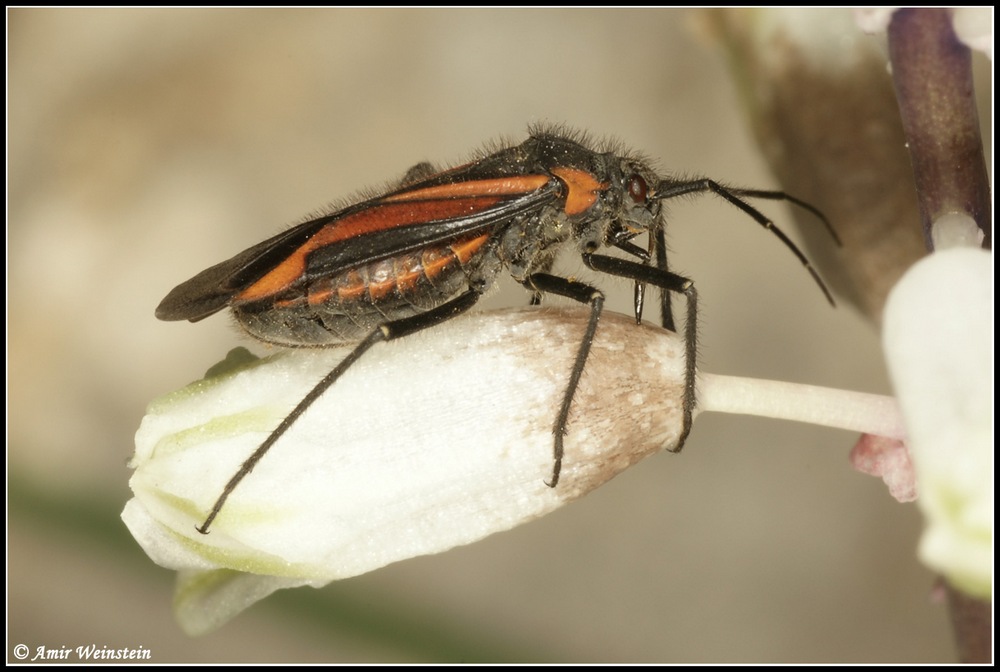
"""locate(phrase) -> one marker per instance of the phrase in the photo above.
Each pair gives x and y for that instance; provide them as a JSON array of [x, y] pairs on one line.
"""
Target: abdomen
[[347, 306]]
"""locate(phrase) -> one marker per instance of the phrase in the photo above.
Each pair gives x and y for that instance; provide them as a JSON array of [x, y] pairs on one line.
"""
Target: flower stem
[[854, 411], [932, 71]]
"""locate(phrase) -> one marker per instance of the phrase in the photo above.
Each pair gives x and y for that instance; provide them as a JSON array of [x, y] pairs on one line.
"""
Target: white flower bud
[[938, 339], [432, 441]]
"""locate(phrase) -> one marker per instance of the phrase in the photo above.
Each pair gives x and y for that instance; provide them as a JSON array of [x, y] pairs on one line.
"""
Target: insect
[[426, 250]]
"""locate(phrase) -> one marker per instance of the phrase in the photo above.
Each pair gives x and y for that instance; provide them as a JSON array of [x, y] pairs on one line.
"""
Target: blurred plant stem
[[932, 73], [835, 127], [820, 102]]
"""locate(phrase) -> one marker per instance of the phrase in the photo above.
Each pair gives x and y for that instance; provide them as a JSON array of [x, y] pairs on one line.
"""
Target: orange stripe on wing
[[379, 217], [505, 186]]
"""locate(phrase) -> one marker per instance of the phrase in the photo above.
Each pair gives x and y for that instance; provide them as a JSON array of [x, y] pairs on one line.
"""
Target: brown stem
[[972, 621], [932, 72]]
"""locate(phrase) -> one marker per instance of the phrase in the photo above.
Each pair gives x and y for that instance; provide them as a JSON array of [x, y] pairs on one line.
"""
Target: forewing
[[211, 290], [417, 216]]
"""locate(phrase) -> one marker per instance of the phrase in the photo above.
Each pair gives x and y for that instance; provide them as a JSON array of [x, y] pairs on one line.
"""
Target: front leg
[[669, 282], [541, 283]]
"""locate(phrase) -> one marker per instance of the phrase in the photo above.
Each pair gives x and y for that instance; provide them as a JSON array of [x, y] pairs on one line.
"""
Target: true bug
[[426, 250]]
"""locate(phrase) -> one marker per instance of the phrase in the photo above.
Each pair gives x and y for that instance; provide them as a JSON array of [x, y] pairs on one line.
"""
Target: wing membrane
[[363, 233]]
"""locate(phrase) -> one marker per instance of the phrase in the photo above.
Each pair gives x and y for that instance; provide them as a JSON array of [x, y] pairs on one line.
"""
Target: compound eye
[[637, 189]]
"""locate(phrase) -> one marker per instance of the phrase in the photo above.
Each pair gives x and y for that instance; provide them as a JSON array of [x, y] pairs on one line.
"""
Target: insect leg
[[657, 246], [669, 282], [639, 295], [578, 291], [386, 332], [666, 310]]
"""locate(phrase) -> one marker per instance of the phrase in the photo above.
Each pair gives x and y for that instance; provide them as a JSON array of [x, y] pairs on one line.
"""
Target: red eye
[[637, 189]]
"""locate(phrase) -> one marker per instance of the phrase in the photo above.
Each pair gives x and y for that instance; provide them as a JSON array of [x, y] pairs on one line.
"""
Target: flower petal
[[938, 338], [439, 439]]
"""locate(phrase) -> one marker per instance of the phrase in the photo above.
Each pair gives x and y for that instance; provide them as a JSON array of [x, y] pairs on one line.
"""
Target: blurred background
[[146, 145]]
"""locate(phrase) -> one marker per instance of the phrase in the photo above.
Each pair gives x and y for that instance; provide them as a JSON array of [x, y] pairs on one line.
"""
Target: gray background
[[147, 145]]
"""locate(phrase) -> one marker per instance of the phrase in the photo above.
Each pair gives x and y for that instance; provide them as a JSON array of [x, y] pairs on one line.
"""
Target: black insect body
[[426, 251]]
